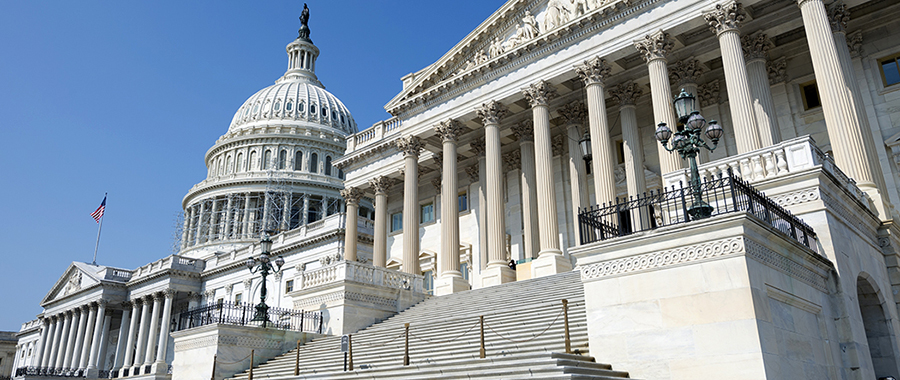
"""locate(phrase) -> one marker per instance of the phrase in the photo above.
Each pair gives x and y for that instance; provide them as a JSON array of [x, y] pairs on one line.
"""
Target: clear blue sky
[[126, 97]]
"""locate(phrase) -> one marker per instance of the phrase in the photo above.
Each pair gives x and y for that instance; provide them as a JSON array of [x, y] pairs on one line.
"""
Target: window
[[220, 301], [312, 109], [324, 112], [327, 165], [810, 93], [238, 298], [427, 214], [341, 173], [620, 152], [255, 108], [228, 168], [428, 284], [333, 208], [396, 221], [289, 286], [890, 70], [240, 162], [267, 158], [289, 106], [464, 268], [463, 201], [252, 160], [301, 107], [277, 105], [298, 160], [282, 158], [314, 163]]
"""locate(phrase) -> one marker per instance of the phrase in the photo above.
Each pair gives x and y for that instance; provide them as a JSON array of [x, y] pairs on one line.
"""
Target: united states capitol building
[[579, 189]]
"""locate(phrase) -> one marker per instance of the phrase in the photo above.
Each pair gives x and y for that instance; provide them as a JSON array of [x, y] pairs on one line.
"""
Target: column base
[[159, 368], [450, 285], [497, 275], [91, 372], [549, 264]]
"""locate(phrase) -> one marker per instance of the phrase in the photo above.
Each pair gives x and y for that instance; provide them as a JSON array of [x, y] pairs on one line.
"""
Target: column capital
[[410, 145], [777, 70], [137, 301], [381, 184], [126, 304], [352, 195], [708, 93], [247, 283], [854, 42], [472, 172], [686, 71], [838, 16], [573, 112], [436, 182], [169, 293], [102, 303], [209, 293], [626, 93], [540, 93], [593, 70], [756, 46], [438, 160], [194, 296], [491, 112], [478, 146], [523, 130], [654, 46], [158, 296], [725, 18], [449, 130], [513, 160]]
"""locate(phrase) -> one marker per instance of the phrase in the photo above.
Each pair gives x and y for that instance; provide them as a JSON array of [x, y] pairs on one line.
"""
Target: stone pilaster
[[41, 355], [654, 48], [476, 175], [450, 279], [159, 364], [550, 258], [352, 196], [626, 94], [844, 131], [64, 338], [128, 358], [593, 72], [381, 185], [725, 22], [756, 48], [524, 133], [496, 272], [410, 146], [574, 113]]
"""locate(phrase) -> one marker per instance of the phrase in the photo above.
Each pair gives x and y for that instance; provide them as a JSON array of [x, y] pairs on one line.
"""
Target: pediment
[[513, 31], [77, 276]]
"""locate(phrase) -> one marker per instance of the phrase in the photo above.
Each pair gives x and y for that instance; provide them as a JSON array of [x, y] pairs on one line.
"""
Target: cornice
[[332, 235], [276, 139]]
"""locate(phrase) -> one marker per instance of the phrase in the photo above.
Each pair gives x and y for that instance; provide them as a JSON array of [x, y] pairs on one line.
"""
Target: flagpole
[[97, 245]]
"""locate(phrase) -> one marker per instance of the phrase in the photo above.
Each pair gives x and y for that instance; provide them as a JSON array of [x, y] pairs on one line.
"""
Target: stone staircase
[[523, 330]]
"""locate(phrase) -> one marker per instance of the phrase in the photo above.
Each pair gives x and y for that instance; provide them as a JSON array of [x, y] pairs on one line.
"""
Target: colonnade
[[755, 126]]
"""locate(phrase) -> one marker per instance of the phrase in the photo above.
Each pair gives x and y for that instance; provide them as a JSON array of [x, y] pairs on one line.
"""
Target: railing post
[[297, 361], [302, 315], [481, 351], [687, 217], [252, 353], [406, 348], [350, 348], [565, 303], [213, 376]]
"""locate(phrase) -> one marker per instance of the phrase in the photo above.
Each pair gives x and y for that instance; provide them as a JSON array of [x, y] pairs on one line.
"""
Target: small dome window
[[256, 108], [333, 116], [277, 105], [312, 109], [301, 107], [289, 106], [324, 112], [342, 118], [267, 107]]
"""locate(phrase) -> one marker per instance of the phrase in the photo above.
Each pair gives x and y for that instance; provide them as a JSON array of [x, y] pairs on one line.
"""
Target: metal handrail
[[241, 314]]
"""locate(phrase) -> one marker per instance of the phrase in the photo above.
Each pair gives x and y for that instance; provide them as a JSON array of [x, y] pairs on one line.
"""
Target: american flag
[[98, 214]]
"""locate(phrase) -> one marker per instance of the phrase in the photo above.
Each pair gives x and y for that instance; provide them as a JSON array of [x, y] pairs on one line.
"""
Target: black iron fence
[[242, 313], [48, 372], [726, 194]]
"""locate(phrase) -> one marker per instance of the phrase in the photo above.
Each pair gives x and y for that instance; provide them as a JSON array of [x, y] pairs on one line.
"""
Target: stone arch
[[877, 323]]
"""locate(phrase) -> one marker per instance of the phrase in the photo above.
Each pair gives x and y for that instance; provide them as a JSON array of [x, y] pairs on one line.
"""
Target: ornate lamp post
[[263, 264], [688, 142]]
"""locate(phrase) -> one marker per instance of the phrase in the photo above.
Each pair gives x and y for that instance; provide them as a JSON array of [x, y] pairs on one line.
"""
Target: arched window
[[221, 167], [252, 160], [324, 112], [282, 158], [240, 162], [314, 163], [228, 168], [312, 109], [298, 161], [267, 159], [327, 165]]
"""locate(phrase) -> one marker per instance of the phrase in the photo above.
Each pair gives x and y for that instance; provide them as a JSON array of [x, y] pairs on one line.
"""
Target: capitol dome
[[294, 98]]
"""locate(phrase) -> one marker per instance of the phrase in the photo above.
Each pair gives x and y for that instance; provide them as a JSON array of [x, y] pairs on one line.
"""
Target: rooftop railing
[[241, 314], [725, 193]]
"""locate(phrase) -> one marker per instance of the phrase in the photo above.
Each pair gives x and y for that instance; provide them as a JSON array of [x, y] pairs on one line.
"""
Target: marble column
[[128, 357], [626, 95], [164, 328], [144, 328], [550, 258], [104, 338], [497, 271], [123, 336], [154, 329], [229, 215], [725, 21], [63, 339], [478, 147], [654, 48], [593, 72], [841, 121], [410, 146], [246, 231], [96, 341], [79, 336], [574, 114], [70, 345], [756, 48], [41, 356], [381, 185], [88, 334], [213, 220], [351, 230], [524, 133], [286, 211], [267, 212], [839, 15], [55, 342], [199, 228], [450, 279]]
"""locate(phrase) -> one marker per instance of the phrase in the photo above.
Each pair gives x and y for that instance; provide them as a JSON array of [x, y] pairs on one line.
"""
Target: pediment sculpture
[[73, 284]]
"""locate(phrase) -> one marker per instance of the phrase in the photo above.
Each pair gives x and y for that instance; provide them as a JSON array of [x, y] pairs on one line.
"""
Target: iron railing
[[48, 372], [726, 194], [241, 314]]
